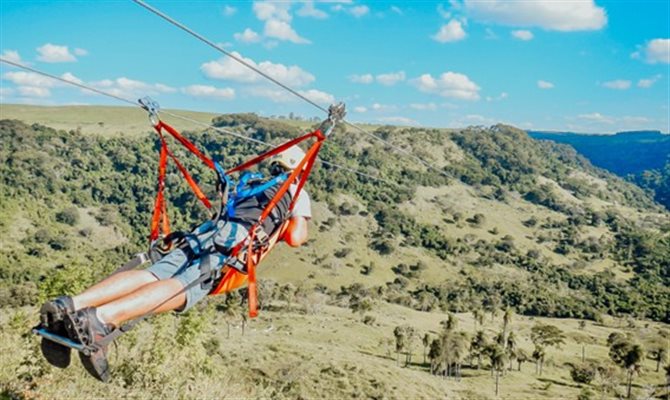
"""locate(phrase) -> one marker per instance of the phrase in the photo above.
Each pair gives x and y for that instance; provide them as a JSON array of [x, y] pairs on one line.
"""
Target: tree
[[477, 346], [426, 342], [507, 319], [659, 353], [628, 356], [450, 323], [478, 317], [511, 348], [498, 360], [400, 341], [521, 357], [404, 340], [544, 336]]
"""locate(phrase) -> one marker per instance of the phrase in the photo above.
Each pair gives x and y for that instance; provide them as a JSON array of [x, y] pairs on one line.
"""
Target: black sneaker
[[52, 315], [85, 328]]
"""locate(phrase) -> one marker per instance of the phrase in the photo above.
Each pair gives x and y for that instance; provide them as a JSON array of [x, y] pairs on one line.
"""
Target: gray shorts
[[175, 264]]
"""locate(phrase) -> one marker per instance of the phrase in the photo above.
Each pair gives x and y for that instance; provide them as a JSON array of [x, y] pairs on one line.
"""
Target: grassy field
[[315, 347]]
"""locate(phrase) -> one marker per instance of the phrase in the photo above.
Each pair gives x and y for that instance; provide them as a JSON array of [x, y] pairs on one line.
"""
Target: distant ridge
[[623, 153]]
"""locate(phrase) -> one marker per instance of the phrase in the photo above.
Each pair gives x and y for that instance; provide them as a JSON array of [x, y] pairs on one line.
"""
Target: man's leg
[[156, 297], [112, 288]]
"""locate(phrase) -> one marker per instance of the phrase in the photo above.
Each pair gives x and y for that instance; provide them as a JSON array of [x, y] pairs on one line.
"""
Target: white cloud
[[281, 96], [266, 10], [364, 79], [383, 107], [649, 82], [451, 32], [277, 21], [22, 78], [126, 87], [228, 10], [70, 77], [575, 15], [596, 117], [449, 84], [545, 84], [398, 120], [52, 53], [247, 36], [308, 10], [11, 55], [229, 69], [443, 12], [390, 78], [360, 109], [282, 30], [80, 52], [5, 91], [205, 91], [318, 96], [32, 91], [657, 51], [618, 84], [423, 106], [500, 97], [522, 35], [396, 10], [358, 11], [597, 122]]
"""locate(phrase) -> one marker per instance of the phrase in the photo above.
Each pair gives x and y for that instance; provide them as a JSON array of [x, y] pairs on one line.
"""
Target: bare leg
[[112, 288], [156, 297]]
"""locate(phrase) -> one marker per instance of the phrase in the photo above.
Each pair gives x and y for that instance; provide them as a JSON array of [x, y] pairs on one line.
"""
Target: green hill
[[518, 224]]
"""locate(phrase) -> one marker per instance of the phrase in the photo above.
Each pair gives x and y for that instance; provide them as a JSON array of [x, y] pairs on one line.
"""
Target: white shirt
[[303, 204]]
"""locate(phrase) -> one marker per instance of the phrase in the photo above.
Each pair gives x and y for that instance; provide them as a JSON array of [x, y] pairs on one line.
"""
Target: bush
[[69, 216], [583, 373]]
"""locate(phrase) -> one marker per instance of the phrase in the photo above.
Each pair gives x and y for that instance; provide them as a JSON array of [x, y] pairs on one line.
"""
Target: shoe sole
[[56, 354], [51, 317], [95, 364]]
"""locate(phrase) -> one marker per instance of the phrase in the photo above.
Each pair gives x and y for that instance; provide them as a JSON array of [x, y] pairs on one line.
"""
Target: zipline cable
[[58, 78], [324, 162], [284, 86], [134, 103]]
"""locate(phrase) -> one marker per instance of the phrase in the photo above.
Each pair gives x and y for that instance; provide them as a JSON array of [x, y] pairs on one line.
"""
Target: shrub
[[69, 216], [583, 373]]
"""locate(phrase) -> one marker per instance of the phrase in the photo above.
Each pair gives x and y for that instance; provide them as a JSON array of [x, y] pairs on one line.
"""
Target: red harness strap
[[160, 222]]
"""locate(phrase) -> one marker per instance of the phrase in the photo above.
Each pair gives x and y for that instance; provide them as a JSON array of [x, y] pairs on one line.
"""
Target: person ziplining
[[218, 256]]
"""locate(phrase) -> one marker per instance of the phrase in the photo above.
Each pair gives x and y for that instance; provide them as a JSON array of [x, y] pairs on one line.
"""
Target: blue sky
[[576, 65]]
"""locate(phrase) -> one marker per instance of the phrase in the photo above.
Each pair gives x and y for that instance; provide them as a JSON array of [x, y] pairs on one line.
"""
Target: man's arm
[[296, 231]]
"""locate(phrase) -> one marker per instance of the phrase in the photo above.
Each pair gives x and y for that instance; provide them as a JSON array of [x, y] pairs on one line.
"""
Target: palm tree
[[507, 319], [538, 356], [425, 341], [521, 357], [659, 354], [498, 360], [511, 348], [450, 323], [628, 356], [478, 317], [477, 346], [456, 346]]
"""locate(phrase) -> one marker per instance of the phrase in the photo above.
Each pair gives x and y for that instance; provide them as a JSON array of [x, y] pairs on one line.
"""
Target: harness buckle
[[152, 107]]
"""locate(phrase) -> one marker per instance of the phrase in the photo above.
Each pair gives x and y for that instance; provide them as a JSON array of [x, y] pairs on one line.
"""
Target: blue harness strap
[[244, 190]]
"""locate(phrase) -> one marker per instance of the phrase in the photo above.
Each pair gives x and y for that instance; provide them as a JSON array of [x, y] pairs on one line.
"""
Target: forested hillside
[[517, 224]]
